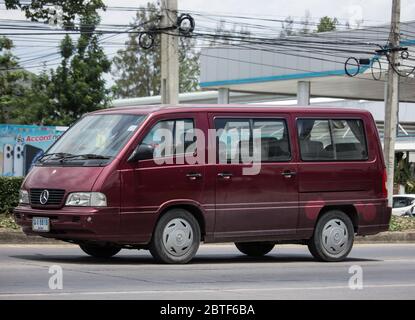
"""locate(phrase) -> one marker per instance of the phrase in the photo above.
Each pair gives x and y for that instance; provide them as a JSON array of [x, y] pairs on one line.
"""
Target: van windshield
[[95, 137]]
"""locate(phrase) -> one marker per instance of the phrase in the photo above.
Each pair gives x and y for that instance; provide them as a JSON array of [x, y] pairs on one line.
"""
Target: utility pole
[[169, 54], [392, 99]]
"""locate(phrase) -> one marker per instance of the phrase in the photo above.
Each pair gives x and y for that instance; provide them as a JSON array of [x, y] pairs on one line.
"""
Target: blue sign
[[22, 145]]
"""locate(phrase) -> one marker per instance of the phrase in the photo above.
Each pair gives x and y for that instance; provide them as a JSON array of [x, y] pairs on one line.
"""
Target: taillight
[[384, 184]]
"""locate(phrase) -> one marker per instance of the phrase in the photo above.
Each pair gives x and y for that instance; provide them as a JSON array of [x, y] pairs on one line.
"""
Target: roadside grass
[[7, 222], [402, 223]]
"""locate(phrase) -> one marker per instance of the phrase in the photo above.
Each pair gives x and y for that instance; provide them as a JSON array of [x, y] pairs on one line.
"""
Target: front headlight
[[86, 199], [23, 197]]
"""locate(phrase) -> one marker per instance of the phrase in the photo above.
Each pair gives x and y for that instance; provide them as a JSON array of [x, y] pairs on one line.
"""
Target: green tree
[[13, 81], [402, 173], [287, 27], [189, 65], [327, 24], [44, 10], [35, 106], [224, 35], [77, 86], [137, 71]]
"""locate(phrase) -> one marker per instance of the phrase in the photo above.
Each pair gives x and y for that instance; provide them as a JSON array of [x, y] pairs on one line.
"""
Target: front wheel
[[176, 237], [255, 249], [103, 252], [333, 237]]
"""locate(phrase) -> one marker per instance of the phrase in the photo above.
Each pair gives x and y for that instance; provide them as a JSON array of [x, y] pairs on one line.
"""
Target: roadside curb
[[18, 237]]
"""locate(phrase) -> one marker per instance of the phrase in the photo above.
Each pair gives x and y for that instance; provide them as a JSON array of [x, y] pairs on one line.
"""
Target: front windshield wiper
[[58, 155], [86, 156], [62, 156]]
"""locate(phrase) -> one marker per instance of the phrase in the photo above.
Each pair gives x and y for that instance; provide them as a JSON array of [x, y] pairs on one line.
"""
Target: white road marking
[[92, 293]]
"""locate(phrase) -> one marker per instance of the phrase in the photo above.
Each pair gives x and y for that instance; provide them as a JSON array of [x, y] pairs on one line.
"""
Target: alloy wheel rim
[[178, 237], [335, 237]]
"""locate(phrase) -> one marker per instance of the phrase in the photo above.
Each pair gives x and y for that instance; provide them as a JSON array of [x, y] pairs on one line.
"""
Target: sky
[[372, 12]]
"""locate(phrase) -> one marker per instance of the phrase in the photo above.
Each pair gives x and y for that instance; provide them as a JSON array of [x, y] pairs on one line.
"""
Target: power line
[[335, 45]]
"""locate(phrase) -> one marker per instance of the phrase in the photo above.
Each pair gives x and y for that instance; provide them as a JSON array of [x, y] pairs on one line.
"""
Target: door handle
[[288, 174], [194, 176], [225, 175]]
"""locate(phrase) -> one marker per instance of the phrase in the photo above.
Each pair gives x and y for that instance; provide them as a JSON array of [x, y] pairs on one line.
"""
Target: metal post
[[392, 101], [223, 96], [303, 93], [169, 54]]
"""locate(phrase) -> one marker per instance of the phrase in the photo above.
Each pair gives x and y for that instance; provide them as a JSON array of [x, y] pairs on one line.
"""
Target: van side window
[[182, 136], [274, 142], [349, 139], [331, 140], [314, 137], [236, 138], [233, 139]]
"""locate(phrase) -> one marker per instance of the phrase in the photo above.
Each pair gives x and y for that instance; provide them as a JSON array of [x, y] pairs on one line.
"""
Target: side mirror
[[143, 152]]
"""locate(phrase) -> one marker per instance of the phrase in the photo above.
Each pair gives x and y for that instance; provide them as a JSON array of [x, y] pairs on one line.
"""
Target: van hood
[[70, 179]]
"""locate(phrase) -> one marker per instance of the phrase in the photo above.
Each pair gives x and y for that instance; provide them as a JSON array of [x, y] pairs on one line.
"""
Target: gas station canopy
[[320, 59]]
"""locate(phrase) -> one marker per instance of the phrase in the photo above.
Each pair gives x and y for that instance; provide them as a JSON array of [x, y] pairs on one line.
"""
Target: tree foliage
[[43, 10], [137, 71], [77, 86], [9, 193], [59, 97], [34, 106], [287, 27], [403, 173], [13, 80], [327, 24], [226, 36]]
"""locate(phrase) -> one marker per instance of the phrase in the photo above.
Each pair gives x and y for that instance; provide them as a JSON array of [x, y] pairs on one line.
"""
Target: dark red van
[[165, 178]]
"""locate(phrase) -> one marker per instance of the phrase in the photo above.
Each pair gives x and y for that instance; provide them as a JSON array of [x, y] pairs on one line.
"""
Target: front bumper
[[73, 223]]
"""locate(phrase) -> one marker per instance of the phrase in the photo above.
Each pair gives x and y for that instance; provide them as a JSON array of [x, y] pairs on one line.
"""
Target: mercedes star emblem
[[44, 196]]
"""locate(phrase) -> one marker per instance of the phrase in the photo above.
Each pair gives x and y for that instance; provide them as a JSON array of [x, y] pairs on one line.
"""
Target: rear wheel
[[255, 249], [333, 237], [99, 251], [176, 237]]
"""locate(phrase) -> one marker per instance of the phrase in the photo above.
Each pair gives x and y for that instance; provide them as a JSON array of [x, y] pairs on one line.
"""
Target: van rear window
[[332, 139]]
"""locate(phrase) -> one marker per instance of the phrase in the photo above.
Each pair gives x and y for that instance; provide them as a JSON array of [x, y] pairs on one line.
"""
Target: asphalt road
[[217, 272]]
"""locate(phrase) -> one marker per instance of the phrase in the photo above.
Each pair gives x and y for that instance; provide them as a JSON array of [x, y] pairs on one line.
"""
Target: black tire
[[255, 249], [326, 247], [184, 241], [102, 252]]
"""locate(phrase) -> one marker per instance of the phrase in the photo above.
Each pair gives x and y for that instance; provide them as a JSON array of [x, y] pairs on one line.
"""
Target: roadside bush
[[9, 193], [402, 223], [7, 222]]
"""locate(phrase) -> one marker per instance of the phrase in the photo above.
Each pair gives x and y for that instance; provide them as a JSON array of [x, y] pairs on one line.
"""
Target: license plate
[[40, 224]]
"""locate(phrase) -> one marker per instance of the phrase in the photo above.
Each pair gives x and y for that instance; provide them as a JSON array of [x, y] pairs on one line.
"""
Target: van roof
[[227, 108]]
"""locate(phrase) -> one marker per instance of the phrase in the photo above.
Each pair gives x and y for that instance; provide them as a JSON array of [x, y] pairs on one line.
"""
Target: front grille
[[55, 197]]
